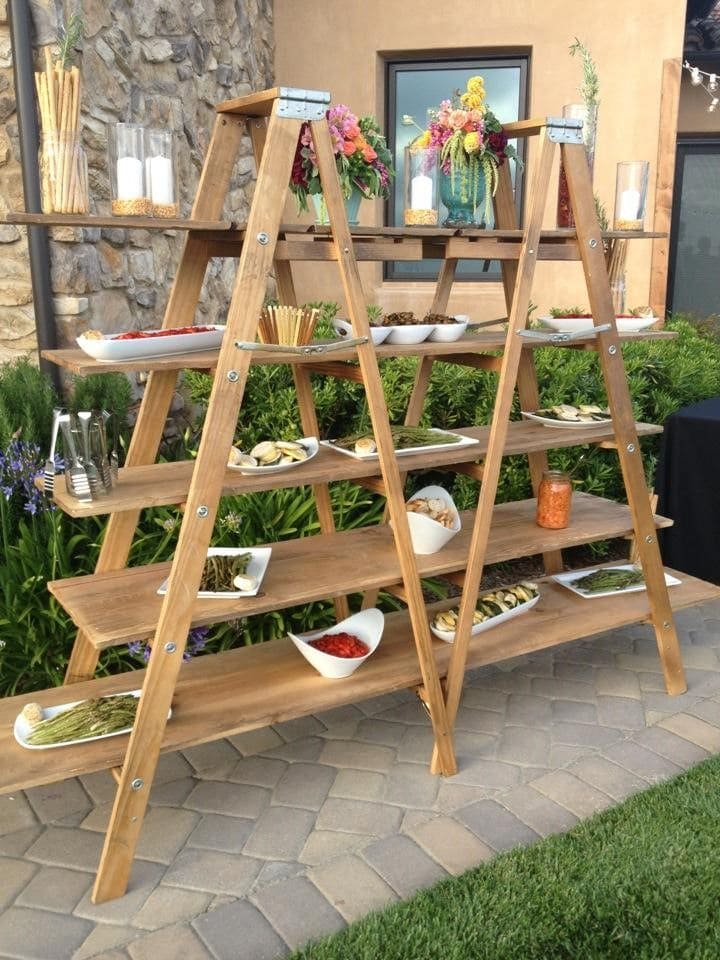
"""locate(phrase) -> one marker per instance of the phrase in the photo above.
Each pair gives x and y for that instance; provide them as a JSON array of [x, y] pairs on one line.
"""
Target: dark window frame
[[686, 144], [433, 61]]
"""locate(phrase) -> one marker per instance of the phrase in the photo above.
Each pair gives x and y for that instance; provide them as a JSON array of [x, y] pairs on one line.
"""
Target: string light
[[708, 81]]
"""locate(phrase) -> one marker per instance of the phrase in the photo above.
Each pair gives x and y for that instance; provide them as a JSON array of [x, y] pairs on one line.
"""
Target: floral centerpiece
[[472, 147], [364, 163]]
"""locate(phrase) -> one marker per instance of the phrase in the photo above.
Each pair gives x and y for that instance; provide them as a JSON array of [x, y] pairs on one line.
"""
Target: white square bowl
[[448, 332], [409, 333], [344, 329], [427, 535], [367, 625]]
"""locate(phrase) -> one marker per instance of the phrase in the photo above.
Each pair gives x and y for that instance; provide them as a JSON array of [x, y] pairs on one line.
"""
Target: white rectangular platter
[[449, 635], [460, 442], [568, 580], [259, 559], [566, 424], [22, 728], [148, 348]]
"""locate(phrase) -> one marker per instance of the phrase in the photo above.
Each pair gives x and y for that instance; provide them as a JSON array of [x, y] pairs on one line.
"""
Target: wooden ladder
[[274, 120]]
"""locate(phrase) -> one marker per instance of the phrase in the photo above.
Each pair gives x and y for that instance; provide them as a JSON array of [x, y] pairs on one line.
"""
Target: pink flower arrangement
[[362, 158], [471, 142]]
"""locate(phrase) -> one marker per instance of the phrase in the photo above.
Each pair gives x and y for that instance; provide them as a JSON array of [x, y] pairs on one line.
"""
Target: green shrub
[[27, 398]]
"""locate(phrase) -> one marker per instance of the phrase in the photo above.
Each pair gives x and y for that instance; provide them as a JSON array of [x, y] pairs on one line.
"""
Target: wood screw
[[631, 448], [233, 376], [137, 784], [202, 512], [593, 243], [666, 625], [649, 539], [612, 350], [170, 647], [263, 239]]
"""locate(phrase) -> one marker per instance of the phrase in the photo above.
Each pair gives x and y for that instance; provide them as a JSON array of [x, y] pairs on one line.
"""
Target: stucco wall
[[334, 46]]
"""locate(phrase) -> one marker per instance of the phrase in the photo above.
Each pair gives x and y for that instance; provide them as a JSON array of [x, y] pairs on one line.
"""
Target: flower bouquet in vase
[[363, 161], [472, 147]]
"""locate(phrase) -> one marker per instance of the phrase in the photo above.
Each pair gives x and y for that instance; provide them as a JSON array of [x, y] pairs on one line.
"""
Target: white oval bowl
[[575, 324], [367, 625], [448, 332], [427, 535], [344, 329], [410, 333]]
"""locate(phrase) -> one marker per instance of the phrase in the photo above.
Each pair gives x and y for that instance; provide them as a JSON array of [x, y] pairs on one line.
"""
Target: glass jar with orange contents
[[553, 500]]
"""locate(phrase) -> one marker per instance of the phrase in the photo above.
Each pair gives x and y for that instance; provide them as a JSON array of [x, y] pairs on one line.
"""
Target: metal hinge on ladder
[[562, 130], [300, 104]]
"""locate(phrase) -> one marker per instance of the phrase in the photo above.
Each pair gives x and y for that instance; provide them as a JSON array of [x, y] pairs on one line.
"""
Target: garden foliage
[[41, 544]]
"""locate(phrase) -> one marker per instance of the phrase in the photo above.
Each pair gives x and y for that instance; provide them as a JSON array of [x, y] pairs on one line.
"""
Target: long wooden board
[[163, 484], [123, 605], [225, 694]]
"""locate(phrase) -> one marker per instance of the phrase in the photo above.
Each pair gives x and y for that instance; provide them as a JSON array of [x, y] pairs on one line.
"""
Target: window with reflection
[[416, 86]]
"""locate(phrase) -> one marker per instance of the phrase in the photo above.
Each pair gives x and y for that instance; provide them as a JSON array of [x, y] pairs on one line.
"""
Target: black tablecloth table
[[688, 482]]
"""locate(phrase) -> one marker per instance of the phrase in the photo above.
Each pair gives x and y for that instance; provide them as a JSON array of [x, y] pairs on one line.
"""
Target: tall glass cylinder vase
[[128, 184], [421, 186], [588, 115], [161, 172]]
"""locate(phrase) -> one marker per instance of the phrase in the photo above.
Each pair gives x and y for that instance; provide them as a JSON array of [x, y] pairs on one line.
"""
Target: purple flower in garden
[[20, 465], [195, 643]]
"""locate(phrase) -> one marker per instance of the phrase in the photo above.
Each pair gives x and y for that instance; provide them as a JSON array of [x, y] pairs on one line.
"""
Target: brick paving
[[255, 844]]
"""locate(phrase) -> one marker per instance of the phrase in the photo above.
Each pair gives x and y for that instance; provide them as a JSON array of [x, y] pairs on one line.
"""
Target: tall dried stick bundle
[[63, 175]]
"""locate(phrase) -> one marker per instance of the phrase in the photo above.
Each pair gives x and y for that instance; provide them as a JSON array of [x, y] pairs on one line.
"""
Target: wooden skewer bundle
[[63, 176], [616, 271], [291, 326]]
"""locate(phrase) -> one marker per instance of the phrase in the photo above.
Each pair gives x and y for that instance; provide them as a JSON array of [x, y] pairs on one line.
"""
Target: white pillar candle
[[129, 178], [629, 205], [421, 193], [160, 180]]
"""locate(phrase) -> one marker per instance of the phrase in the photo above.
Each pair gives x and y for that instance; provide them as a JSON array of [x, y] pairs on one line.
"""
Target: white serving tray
[[148, 348], [310, 444], [567, 580], [260, 557], [461, 442], [566, 424], [576, 324], [22, 728], [449, 635]]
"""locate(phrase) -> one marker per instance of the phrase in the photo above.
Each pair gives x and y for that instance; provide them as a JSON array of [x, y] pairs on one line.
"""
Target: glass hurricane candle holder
[[631, 185], [161, 172], [421, 186], [126, 158]]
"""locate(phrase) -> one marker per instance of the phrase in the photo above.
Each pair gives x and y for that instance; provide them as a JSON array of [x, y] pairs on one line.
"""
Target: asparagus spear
[[91, 718], [608, 579]]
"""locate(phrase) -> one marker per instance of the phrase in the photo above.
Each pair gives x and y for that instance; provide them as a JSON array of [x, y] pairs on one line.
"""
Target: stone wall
[[156, 62]]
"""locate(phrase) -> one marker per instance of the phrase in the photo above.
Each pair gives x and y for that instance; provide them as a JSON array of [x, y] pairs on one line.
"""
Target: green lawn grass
[[639, 882]]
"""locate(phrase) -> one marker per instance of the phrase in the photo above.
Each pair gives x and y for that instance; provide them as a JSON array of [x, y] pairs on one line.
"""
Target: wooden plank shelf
[[78, 362], [225, 694], [163, 484], [119, 606]]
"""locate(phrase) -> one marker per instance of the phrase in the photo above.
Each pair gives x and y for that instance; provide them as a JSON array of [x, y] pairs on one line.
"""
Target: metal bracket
[[561, 130], [298, 104], [551, 338], [302, 350]]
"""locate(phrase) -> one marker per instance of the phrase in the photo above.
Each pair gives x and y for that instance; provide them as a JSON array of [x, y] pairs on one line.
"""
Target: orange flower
[[352, 131], [349, 148], [369, 154]]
